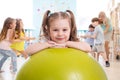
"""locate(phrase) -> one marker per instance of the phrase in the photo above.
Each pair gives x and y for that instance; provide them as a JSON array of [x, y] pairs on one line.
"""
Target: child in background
[[99, 40], [90, 41], [59, 29], [20, 34], [6, 38]]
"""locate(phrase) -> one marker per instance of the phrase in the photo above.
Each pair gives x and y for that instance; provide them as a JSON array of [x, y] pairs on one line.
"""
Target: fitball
[[61, 64]]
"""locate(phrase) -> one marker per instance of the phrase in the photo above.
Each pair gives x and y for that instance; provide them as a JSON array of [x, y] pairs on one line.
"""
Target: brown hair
[[49, 17], [91, 26], [96, 19], [18, 28], [8, 21], [103, 17]]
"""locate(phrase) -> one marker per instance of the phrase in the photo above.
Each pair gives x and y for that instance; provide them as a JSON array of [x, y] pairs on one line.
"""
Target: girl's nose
[[60, 33]]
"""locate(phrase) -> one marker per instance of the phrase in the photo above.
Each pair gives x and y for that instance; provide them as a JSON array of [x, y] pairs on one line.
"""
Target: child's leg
[[16, 52], [93, 52], [4, 58], [24, 54], [118, 54], [13, 60], [103, 54], [97, 56], [107, 49], [101, 51]]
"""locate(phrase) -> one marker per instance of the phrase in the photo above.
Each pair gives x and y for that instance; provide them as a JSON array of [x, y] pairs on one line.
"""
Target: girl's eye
[[55, 30], [64, 29]]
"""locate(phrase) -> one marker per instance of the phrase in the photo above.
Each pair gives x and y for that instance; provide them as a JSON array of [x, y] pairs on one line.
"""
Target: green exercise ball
[[61, 64]]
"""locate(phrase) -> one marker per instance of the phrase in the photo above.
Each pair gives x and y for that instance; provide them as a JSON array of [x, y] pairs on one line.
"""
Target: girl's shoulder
[[9, 34], [10, 31], [22, 33]]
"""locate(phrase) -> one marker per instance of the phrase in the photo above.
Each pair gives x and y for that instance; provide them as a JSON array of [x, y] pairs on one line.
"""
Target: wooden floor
[[112, 72]]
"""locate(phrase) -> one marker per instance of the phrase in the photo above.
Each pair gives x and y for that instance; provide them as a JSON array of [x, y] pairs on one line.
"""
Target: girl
[[6, 38], [107, 28], [59, 29], [90, 31], [20, 34]]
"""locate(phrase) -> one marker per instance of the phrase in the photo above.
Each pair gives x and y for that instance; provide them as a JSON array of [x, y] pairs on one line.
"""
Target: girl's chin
[[61, 42]]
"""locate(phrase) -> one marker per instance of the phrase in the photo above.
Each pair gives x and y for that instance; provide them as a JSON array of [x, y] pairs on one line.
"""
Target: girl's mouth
[[59, 38]]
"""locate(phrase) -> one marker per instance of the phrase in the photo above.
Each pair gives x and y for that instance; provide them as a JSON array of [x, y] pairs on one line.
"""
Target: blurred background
[[32, 11]]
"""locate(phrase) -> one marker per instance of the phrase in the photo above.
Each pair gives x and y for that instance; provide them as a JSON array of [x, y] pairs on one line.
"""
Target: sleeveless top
[[19, 45], [110, 28], [5, 44]]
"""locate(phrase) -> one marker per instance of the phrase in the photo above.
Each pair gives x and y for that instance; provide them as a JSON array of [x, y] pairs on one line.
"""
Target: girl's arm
[[16, 40], [107, 26], [33, 48], [10, 37], [92, 36], [83, 36], [79, 45], [27, 38]]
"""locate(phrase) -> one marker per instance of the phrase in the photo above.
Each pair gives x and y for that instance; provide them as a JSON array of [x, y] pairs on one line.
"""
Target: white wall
[[17, 9], [87, 9]]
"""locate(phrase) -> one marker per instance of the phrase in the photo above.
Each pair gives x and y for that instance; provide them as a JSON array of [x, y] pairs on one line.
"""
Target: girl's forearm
[[27, 38], [79, 45], [16, 40], [33, 48], [107, 28]]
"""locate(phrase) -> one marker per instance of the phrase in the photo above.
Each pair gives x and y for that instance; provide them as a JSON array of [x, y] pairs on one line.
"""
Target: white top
[[100, 35], [5, 44]]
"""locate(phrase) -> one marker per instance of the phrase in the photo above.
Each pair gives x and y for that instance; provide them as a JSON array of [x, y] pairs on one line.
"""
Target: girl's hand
[[33, 38], [16, 36], [60, 45], [88, 36], [50, 44], [29, 38], [56, 45]]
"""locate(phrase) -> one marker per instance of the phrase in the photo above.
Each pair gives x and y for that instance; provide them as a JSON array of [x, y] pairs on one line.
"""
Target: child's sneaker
[[107, 64], [1, 71], [118, 57]]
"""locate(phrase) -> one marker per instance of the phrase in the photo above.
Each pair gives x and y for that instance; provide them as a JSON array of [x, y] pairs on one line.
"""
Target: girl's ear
[[46, 27], [48, 32], [10, 27]]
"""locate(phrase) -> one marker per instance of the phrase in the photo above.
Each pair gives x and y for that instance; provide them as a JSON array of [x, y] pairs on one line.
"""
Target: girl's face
[[13, 24], [95, 23], [21, 25], [102, 16], [91, 29], [60, 30]]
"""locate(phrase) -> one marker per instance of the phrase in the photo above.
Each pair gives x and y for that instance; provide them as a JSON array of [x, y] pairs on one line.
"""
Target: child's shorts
[[98, 48]]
